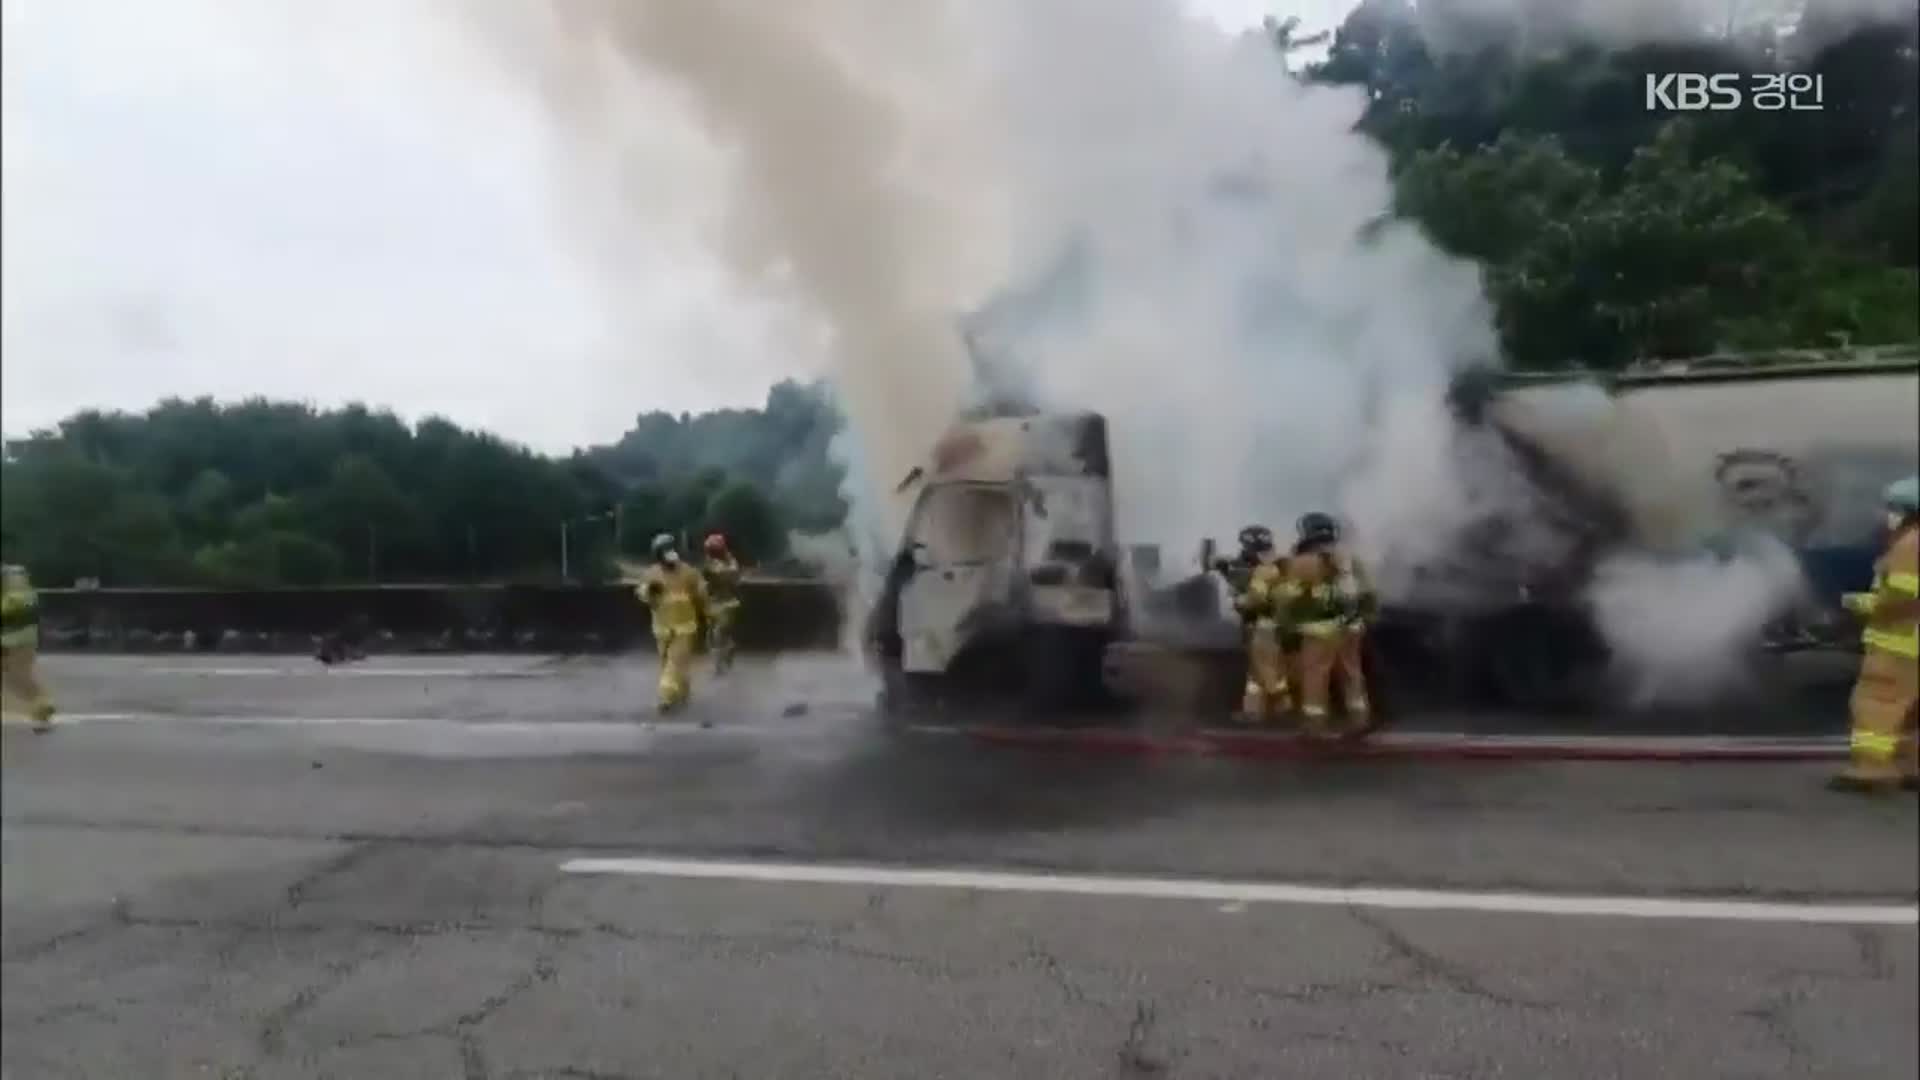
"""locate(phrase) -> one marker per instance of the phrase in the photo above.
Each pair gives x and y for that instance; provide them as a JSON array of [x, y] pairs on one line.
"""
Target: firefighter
[[1362, 604], [722, 572], [1260, 598], [1331, 603], [20, 647], [677, 595], [1254, 539], [1883, 749]]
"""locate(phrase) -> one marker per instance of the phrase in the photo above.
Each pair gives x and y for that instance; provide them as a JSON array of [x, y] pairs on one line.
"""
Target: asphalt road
[[253, 869]]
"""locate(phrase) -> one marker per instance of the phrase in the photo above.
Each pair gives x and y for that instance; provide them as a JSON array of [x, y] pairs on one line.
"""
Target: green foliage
[[1884, 226], [781, 449], [749, 520], [1674, 256], [1609, 232], [1606, 233], [262, 559], [265, 493], [70, 517]]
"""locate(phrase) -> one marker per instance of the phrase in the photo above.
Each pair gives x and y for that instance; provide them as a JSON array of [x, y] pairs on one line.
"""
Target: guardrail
[[775, 614]]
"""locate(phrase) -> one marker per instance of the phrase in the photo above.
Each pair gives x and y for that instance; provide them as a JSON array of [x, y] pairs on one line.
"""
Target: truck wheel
[[1063, 677], [1538, 665], [1169, 684], [906, 698]]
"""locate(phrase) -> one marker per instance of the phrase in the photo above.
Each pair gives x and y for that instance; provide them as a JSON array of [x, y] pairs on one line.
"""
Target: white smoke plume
[[1248, 333], [1261, 343], [870, 531], [831, 556], [1682, 630], [844, 133], [892, 165]]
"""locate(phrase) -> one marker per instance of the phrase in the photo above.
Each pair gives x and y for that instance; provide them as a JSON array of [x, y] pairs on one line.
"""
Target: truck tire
[[905, 699], [1168, 683], [1063, 679], [1540, 661]]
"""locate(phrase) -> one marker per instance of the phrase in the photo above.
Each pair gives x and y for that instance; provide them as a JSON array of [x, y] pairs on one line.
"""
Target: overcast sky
[[328, 202]]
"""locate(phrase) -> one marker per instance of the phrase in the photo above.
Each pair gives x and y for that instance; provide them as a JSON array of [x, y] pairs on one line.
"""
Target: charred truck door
[[963, 541], [1070, 553], [1004, 586]]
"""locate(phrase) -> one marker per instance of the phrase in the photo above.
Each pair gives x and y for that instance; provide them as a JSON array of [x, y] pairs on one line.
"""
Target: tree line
[[1611, 232], [1608, 234], [266, 493]]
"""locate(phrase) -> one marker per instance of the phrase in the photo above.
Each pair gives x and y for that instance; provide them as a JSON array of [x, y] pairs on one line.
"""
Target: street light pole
[[567, 523]]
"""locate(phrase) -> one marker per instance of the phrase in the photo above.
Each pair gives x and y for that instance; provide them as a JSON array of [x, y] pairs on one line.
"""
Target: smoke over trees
[[1517, 136]]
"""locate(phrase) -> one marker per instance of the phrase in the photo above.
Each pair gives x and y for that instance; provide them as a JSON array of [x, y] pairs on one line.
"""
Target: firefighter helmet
[[1256, 538], [662, 545], [1319, 528], [1903, 496]]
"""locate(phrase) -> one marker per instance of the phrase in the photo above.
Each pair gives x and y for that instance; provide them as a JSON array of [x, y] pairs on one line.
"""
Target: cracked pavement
[[329, 900]]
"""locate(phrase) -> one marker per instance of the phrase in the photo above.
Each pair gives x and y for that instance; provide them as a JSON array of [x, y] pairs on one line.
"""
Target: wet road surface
[[241, 866]]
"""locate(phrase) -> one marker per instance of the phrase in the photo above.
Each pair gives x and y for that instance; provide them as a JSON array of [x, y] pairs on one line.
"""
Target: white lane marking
[[558, 729], [238, 721], [348, 672], [1253, 892]]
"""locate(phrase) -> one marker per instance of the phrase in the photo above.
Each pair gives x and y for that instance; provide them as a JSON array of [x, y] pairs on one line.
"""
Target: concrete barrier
[[774, 615]]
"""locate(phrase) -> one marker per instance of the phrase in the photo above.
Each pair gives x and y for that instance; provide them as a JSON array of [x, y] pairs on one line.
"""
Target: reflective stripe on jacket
[[1263, 601], [1332, 593]]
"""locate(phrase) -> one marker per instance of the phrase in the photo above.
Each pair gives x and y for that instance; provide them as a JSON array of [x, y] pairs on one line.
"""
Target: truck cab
[[1005, 584]]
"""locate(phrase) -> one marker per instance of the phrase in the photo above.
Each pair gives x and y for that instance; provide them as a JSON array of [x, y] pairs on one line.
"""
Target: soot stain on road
[[954, 785]]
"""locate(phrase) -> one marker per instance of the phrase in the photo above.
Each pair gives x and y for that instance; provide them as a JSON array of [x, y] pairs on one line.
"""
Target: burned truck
[[1005, 585], [1676, 463], [1011, 585]]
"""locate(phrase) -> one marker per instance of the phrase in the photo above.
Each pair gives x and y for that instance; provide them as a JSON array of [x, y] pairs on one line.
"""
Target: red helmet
[[716, 542]]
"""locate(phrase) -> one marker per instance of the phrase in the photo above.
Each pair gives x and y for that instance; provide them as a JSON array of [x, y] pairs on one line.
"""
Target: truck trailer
[[1011, 588]]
